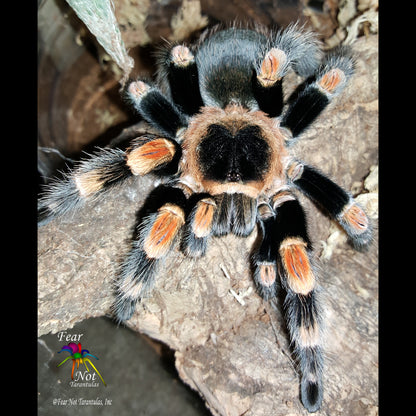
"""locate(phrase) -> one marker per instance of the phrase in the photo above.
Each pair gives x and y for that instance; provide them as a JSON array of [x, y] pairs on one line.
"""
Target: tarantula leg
[[267, 82], [92, 177], [293, 47], [264, 257], [303, 314], [151, 153], [163, 228], [164, 215], [106, 169], [285, 249], [235, 213], [199, 222], [271, 68], [338, 203], [317, 93], [182, 74], [155, 108], [305, 327]]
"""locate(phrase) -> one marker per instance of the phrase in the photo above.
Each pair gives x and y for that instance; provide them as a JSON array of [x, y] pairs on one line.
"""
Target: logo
[[79, 356]]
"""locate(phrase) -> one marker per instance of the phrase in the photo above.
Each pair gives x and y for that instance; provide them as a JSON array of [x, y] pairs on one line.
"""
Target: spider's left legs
[[163, 215], [285, 249]]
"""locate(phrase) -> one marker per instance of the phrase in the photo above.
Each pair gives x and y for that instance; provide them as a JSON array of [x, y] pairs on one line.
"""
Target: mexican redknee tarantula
[[223, 153]]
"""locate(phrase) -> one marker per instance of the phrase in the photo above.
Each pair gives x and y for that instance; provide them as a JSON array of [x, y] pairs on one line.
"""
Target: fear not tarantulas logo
[[79, 356]]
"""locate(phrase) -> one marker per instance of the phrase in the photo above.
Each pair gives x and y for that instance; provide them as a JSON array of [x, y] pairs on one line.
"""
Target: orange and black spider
[[223, 154]]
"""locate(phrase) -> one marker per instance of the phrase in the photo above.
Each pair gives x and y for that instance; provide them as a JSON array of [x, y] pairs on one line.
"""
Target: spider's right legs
[[163, 217], [285, 249], [106, 169]]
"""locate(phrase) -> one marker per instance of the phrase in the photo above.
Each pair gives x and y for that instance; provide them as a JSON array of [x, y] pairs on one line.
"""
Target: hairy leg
[[163, 217]]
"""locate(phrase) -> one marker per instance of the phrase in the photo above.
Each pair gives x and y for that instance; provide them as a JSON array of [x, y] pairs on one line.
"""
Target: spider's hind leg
[[285, 250], [162, 218]]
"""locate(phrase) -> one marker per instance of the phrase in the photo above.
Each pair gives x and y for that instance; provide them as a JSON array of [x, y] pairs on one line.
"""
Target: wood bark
[[234, 350]]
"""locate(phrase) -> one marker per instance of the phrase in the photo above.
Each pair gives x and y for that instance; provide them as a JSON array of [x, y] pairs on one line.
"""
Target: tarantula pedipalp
[[223, 153]]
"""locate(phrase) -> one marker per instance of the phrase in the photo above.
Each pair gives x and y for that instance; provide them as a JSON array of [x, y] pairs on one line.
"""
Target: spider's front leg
[[163, 215], [285, 250]]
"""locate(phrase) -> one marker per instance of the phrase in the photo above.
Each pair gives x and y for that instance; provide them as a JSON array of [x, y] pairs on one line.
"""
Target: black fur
[[61, 197], [303, 311], [235, 213], [290, 221], [137, 266], [324, 192], [225, 64], [191, 245], [265, 253], [287, 221], [162, 194], [184, 88], [270, 99], [303, 111], [142, 270], [227, 158], [161, 113], [311, 392]]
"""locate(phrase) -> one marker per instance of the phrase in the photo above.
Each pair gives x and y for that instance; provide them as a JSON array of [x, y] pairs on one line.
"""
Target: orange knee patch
[[143, 159], [169, 220], [204, 214], [271, 67], [332, 79], [300, 277], [356, 218]]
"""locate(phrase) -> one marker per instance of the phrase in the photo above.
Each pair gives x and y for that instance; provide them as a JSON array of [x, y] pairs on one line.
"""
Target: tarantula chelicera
[[223, 153]]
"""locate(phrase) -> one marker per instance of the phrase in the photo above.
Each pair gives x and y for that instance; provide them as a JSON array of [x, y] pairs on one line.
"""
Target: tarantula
[[222, 153]]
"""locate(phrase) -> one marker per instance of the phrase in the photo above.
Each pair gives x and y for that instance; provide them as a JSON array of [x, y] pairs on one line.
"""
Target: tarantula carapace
[[222, 153]]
